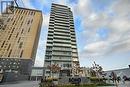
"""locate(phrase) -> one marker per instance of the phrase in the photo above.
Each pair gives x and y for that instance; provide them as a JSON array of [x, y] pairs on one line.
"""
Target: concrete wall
[[12, 77]]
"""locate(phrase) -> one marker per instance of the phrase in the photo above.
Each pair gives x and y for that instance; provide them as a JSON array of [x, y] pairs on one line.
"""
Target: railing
[[57, 44]]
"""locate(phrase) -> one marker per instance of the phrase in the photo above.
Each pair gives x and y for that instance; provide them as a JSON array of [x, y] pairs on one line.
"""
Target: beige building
[[19, 37]]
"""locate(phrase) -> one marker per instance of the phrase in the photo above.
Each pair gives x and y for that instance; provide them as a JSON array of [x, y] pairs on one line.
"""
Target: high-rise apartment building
[[61, 49], [19, 36]]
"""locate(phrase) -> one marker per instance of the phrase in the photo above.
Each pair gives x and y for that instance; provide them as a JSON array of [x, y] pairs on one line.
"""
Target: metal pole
[[16, 3]]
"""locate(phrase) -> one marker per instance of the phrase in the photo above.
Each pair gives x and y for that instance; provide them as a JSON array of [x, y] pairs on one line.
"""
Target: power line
[[16, 3]]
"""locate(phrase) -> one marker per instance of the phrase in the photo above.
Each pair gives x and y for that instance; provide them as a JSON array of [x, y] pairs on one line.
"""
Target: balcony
[[74, 46], [49, 44], [51, 27], [61, 33], [75, 59], [62, 48], [63, 27], [61, 53], [61, 19], [62, 37], [73, 39], [61, 59], [50, 34], [61, 30], [61, 41], [62, 24], [74, 50], [61, 11], [49, 41], [74, 54], [73, 43], [65, 45], [61, 16]]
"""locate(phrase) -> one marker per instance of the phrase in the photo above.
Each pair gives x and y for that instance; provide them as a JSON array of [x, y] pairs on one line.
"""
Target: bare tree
[[54, 68], [98, 69]]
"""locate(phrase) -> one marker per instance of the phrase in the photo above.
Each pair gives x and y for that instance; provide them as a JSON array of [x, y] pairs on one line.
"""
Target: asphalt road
[[22, 84]]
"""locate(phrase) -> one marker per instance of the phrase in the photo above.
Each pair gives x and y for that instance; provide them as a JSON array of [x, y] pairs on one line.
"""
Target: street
[[22, 84]]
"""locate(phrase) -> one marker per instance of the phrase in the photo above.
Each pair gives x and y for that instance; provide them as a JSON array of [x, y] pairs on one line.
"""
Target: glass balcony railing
[[58, 44], [61, 33]]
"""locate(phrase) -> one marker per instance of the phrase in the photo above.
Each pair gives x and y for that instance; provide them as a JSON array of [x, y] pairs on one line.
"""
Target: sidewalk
[[121, 84], [127, 84], [22, 84]]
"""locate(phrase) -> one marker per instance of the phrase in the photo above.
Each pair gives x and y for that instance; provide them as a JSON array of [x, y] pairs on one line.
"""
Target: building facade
[[19, 38], [61, 57], [119, 72], [85, 72], [37, 73]]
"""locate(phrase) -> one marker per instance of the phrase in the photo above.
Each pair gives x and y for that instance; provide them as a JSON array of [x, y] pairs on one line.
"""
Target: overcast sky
[[102, 30]]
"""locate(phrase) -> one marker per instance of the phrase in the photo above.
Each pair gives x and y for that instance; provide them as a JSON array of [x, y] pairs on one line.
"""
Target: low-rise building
[[119, 72], [37, 73], [84, 72]]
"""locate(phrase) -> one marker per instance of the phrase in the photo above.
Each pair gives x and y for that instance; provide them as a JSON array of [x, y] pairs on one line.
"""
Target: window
[[10, 53], [4, 27], [21, 11], [22, 31], [17, 35], [19, 39], [66, 65], [47, 71], [31, 20], [32, 13], [28, 22], [16, 11], [48, 47], [21, 18], [29, 29], [48, 52], [26, 12], [21, 54], [8, 47], [13, 23], [48, 57], [21, 23], [12, 30], [9, 36], [3, 44], [20, 45], [8, 20]]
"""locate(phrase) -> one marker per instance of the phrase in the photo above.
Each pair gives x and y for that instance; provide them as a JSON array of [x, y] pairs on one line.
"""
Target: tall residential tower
[[61, 49], [19, 35]]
